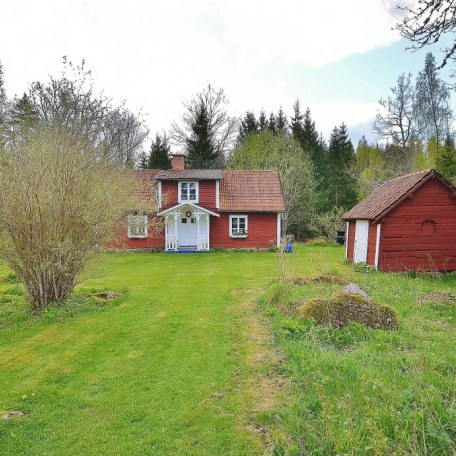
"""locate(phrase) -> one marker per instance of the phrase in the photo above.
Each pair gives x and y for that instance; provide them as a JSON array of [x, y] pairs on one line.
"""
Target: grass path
[[169, 369]]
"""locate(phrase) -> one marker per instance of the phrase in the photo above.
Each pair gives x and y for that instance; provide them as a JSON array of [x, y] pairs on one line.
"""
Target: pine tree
[[262, 121], [160, 151], [342, 183], [248, 125], [446, 160]]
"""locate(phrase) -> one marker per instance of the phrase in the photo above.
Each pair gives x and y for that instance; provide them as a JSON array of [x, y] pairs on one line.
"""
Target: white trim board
[[377, 244]]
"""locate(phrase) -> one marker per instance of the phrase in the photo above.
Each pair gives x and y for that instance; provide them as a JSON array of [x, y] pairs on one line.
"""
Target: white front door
[[361, 238], [188, 231]]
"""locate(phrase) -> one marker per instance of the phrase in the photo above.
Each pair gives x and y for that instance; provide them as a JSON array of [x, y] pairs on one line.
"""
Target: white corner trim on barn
[[377, 245], [347, 230], [361, 241]]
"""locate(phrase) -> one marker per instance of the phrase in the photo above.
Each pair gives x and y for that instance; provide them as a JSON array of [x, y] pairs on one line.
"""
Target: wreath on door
[[188, 214]]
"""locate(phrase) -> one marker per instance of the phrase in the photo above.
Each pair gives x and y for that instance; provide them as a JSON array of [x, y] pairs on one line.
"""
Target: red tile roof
[[204, 174], [389, 195], [145, 191], [255, 191]]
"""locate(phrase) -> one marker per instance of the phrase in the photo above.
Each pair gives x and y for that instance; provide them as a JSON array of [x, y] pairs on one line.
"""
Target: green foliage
[[159, 154], [342, 183], [370, 168], [358, 390], [269, 151], [248, 125], [304, 131], [446, 160], [328, 223], [432, 106]]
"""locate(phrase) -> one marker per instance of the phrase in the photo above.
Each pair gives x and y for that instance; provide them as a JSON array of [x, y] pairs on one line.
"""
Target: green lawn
[[185, 363]]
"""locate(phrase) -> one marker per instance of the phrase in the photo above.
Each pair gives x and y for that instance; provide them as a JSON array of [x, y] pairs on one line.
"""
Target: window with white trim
[[188, 192], [137, 225], [239, 226]]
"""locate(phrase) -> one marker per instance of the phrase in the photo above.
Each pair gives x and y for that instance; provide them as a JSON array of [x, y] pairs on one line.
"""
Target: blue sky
[[337, 57]]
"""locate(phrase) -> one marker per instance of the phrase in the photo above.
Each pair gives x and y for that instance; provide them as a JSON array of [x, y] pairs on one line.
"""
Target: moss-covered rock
[[343, 308]]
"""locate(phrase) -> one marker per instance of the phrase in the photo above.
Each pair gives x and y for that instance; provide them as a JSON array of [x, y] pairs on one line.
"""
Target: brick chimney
[[178, 161]]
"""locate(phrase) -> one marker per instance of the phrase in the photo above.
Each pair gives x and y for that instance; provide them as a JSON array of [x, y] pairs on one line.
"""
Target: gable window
[[188, 192], [239, 226], [137, 225]]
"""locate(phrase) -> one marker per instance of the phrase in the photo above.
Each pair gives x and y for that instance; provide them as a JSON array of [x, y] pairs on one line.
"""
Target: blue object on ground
[[289, 247]]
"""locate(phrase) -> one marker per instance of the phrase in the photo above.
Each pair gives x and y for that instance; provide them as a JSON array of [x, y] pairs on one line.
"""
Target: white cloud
[[155, 53]]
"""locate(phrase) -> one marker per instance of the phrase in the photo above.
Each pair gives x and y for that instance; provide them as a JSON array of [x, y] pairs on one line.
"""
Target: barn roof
[[390, 194], [253, 191], [203, 174]]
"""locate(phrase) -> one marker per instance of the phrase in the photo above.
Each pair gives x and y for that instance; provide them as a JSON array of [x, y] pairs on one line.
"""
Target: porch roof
[[194, 206]]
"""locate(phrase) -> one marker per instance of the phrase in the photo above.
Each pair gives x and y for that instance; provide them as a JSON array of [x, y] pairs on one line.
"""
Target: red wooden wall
[[351, 239], [207, 196], [371, 244], [262, 229], [155, 238], [406, 242]]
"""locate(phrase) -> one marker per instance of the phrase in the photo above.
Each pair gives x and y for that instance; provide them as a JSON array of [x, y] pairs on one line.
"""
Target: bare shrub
[[59, 201]]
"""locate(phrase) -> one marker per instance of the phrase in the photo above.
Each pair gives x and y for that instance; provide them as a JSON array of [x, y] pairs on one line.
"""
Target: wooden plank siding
[[371, 243], [420, 233], [351, 240], [262, 228], [207, 197]]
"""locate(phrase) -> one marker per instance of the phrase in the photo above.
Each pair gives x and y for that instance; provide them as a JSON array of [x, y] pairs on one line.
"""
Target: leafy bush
[[343, 309]]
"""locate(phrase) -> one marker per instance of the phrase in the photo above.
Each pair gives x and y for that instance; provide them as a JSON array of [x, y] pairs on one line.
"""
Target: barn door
[[361, 237]]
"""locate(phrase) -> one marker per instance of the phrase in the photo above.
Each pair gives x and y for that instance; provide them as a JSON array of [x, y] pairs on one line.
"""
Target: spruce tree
[[272, 125], [342, 183], [446, 160], [248, 125], [262, 121], [142, 160], [304, 131], [202, 153], [23, 113], [281, 121], [160, 151]]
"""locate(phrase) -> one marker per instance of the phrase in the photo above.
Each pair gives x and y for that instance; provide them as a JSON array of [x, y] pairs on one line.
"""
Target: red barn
[[408, 223], [209, 208]]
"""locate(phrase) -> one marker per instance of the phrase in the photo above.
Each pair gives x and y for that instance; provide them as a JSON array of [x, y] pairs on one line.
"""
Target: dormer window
[[188, 192]]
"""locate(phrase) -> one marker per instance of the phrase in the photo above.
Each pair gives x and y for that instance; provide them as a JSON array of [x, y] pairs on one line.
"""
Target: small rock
[[352, 288], [12, 414], [217, 395]]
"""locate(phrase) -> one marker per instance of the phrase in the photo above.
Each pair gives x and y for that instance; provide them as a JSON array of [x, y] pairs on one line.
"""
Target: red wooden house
[[408, 223], [210, 208]]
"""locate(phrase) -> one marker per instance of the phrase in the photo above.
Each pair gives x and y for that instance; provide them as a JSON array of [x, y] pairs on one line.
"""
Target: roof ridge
[[422, 171]]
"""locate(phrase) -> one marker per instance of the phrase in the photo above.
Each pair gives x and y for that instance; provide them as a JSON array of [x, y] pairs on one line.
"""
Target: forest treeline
[[321, 177]]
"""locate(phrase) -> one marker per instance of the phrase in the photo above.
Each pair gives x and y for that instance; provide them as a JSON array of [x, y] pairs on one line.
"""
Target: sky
[[339, 58]]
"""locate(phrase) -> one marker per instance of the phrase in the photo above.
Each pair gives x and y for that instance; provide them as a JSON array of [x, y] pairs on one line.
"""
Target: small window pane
[[184, 220], [234, 223], [192, 220]]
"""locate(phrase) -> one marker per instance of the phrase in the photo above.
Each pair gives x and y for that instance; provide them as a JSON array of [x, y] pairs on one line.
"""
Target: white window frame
[[187, 200], [137, 225], [230, 227]]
